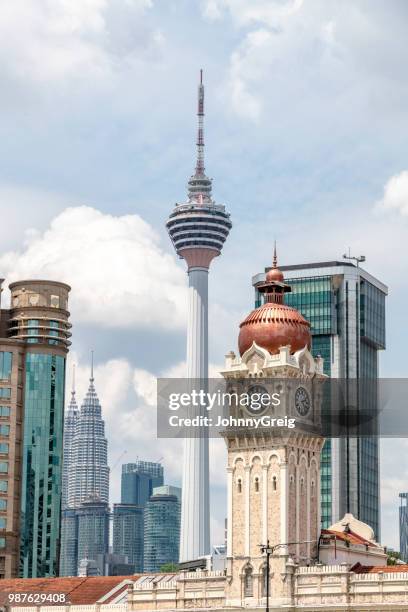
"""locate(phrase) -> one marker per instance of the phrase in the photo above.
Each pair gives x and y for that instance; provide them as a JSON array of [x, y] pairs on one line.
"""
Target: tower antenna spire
[[200, 169], [73, 380], [92, 367], [275, 257]]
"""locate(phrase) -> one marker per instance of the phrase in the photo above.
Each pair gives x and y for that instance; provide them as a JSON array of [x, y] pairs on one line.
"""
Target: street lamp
[[269, 550]]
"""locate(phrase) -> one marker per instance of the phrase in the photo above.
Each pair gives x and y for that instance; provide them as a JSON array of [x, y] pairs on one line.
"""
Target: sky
[[306, 136]]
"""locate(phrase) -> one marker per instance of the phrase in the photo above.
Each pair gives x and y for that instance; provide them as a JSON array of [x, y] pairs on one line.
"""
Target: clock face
[[256, 394], [302, 401]]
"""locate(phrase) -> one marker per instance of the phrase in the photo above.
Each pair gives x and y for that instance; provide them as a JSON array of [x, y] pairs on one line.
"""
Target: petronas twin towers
[[85, 475]]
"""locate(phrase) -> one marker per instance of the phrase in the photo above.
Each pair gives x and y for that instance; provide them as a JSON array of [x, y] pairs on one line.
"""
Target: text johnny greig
[[255, 402]]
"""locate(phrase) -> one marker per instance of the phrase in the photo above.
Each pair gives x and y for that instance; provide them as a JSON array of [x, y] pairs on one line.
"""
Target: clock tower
[[274, 468]]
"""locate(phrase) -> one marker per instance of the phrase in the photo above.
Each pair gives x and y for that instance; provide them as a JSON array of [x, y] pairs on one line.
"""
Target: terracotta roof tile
[[376, 569], [80, 590], [351, 537]]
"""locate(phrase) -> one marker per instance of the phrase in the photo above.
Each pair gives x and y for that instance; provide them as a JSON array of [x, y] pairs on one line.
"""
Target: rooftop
[[79, 590]]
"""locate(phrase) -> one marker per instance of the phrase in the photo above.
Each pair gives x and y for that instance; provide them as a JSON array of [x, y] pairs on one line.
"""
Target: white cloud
[[395, 196], [245, 12], [119, 275], [50, 39]]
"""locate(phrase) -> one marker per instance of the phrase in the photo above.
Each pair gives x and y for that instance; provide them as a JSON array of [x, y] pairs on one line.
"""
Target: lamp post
[[268, 551]]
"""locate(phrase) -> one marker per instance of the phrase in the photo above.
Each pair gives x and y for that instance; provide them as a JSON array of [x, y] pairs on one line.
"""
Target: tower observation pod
[[198, 229]]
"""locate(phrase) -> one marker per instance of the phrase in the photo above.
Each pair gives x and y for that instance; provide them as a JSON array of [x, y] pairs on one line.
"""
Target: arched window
[[274, 483], [248, 583], [302, 485], [256, 484], [239, 485], [313, 488]]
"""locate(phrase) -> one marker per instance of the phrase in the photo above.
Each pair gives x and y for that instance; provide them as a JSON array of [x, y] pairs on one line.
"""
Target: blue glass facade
[[139, 480], [42, 464], [128, 526], [403, 526], [161, 532]]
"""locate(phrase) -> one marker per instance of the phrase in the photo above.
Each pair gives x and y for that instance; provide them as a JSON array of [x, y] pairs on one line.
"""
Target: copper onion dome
[[274, 324]]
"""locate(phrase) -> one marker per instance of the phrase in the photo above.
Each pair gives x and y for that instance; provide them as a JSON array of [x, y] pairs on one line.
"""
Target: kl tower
[[198, 230]]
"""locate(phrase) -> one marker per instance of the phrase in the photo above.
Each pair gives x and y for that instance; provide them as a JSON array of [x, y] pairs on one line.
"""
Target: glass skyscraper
[[138, 481], [128, 534], [403, 526], [345, 306], [34, 341], [137, 485], [161, 529]]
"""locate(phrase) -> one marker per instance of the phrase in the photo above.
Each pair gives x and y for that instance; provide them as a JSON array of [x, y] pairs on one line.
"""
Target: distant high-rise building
[[34, 342], [70, 424], [198, 230], [161, 530], [69, 543], [137, 485], [346, 308], [138, 481], [403, 526], [128, 534], [86, 473], [93, 532]]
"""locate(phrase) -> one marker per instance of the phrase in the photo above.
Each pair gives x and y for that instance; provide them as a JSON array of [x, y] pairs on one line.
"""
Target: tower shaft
[[195, 515]]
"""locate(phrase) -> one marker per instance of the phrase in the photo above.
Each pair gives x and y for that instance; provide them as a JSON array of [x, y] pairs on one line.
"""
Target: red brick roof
[[348, 536], [376, 569], [80, 591]]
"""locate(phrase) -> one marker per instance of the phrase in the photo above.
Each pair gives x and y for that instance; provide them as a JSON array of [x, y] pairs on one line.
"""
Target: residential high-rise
[[34, 342], [403, 526], [86, 471], [346, 308], [198, 230], [137, 485], [161, 529]]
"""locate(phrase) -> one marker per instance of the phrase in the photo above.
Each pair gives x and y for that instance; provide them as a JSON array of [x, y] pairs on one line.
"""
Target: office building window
[[2, 522], [32, 330], [2, 542], [53, 331], [6, 363], [4, 447], [3, 467], [3, 504], [4, 411], [5, 392], [3, 486], [4, 430]]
